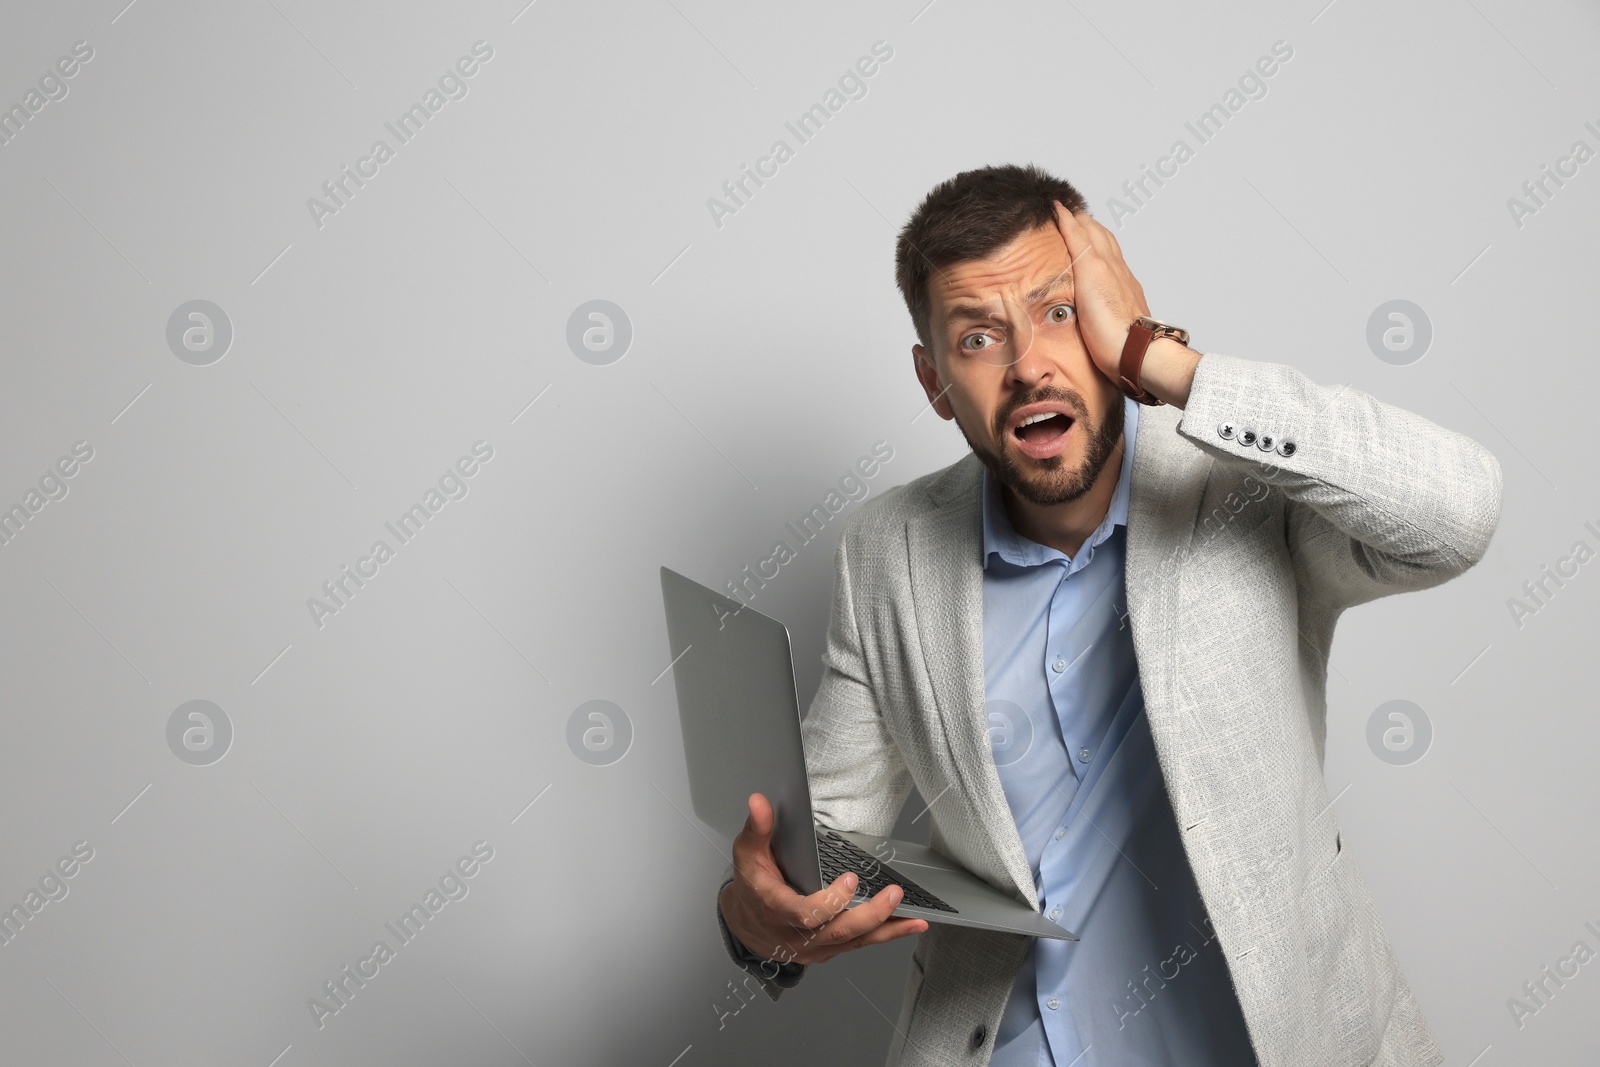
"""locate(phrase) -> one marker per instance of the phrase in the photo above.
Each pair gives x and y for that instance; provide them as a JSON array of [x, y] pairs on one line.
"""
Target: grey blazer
[[1257, 514]]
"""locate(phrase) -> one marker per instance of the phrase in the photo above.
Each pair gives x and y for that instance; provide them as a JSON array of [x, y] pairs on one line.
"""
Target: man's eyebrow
[[1040, 292], [979, 312], [968, 312]]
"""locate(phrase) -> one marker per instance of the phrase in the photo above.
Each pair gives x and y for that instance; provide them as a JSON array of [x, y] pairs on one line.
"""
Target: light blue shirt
[[1146, 985]]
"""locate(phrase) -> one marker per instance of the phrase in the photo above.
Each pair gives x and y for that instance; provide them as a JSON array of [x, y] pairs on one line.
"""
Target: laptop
[[740, 716]]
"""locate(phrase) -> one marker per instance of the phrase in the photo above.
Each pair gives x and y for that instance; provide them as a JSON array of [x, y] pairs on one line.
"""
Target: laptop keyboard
[[838, 855]]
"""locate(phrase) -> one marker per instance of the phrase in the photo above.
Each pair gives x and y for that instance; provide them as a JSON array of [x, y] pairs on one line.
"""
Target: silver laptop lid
[[740, 716]]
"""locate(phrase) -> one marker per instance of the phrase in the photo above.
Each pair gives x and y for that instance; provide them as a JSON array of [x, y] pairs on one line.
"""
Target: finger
[[1101, 228], [1111, 251], [1115, 279], [758, 824], [1094, 226], [1061, 215], [820, 908], [753, 862], [1073, 233], [1092, 268], [754, 842], [1103, 241], [863, 918], [892, 930]]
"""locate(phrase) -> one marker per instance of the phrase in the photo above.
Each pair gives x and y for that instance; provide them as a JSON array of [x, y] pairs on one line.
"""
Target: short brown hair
[[970, 216]]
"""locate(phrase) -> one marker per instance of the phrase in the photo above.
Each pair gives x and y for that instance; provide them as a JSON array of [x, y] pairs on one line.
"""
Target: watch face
[[1162, 329]]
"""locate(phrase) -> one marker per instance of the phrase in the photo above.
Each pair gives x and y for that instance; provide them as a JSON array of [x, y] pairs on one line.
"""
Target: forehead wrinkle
[[1039, 292], [1028, 252], [972, 312]]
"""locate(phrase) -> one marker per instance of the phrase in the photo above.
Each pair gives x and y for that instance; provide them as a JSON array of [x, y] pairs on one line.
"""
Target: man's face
[[1009, 366]]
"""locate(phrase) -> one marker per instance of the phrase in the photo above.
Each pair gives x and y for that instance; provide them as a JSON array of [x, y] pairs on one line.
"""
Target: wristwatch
[[1140, 334]]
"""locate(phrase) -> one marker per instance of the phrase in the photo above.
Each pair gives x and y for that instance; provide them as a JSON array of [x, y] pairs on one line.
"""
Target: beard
[[1057, 483]]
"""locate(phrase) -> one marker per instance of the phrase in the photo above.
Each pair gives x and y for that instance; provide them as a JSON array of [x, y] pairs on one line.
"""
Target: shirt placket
[[1055, 862]]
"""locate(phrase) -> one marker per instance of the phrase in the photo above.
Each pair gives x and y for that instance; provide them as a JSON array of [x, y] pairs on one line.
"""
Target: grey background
[[767, 354]]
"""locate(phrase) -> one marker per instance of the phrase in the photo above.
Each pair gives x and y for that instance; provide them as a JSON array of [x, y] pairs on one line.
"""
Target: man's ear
[[928, 375]]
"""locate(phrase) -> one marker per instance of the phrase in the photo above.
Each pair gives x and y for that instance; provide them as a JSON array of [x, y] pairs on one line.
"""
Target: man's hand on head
[[1108, 296], [773, 921], [1109, 299]]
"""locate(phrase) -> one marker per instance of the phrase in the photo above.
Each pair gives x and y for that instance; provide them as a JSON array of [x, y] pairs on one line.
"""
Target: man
[[1139, 568]]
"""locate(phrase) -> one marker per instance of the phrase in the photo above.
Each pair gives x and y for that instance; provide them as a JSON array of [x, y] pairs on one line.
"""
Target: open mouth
[[1043, 434]]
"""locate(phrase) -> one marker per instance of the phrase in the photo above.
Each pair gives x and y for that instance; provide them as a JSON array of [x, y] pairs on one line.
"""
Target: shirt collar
[[1000, 538]]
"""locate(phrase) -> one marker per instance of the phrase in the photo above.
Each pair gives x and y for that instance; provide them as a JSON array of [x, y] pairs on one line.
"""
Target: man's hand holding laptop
[[777, 923]]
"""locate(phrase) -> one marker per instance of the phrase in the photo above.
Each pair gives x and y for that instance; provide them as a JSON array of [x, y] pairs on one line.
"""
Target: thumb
[[752, 849], [758, 824]]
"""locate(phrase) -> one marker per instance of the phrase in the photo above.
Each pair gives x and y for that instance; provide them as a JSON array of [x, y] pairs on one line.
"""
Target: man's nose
[[1020, 348]]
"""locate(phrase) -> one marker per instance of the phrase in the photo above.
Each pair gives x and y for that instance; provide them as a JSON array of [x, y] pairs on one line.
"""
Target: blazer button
[[1225, 431], [1247, 437], [1266, 442], [1285, 449], [978, 1035]]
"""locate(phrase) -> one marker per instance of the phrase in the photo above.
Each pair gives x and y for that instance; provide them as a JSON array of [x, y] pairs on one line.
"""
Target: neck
[[1066, 526]]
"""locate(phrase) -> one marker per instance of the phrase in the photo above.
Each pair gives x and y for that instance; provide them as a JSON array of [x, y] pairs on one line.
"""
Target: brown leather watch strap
[[1133, 350]]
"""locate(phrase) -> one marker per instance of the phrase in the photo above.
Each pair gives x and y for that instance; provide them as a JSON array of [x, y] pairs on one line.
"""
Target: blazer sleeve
[[858, 777], [1379, 500]]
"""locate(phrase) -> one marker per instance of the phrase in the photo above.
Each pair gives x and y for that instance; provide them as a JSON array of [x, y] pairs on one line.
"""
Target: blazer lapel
[[945, 549]]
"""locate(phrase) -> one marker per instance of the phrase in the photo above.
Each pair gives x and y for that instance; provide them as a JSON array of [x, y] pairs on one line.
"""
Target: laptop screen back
[[740, 716]]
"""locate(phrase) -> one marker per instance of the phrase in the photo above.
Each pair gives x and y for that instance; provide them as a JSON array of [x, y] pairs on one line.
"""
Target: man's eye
[[977, 342], [1060, 313]]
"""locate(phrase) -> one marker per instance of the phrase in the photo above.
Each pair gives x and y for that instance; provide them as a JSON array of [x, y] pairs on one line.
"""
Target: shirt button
[[1061, 833], [1059, 665], [1083, 755], [1055, 913], [1053, 1003]]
